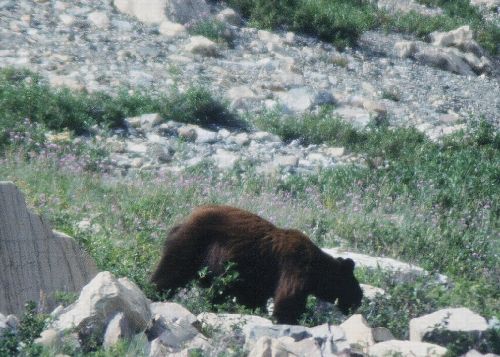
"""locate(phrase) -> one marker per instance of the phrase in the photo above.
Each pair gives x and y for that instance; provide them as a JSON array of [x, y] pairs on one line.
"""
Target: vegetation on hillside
[[343, 21]]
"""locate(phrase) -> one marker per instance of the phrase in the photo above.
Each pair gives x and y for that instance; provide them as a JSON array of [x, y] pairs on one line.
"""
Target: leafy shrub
[[21, 342], [23, 95], [209, 28]]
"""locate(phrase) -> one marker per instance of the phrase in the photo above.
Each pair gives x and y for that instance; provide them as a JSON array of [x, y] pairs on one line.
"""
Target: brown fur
[[272, 262]]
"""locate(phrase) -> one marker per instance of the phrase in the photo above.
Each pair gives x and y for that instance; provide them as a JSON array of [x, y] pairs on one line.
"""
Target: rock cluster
[[453, 51], [110, 309], [174, 147], [89, 45]]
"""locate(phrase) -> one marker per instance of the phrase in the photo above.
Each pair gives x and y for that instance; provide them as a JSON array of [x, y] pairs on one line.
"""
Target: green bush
[[343, 21], [24, 96]]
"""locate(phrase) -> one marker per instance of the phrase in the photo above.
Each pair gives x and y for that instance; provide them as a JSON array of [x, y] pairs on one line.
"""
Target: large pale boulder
[[147, 11], [358, 333], [165, 314], [462, 38], [270, 347], [402, 270], [444, 58], [406, 348], [444, 325], [201, 45], [157, 11], [35, 261], [99, 302]]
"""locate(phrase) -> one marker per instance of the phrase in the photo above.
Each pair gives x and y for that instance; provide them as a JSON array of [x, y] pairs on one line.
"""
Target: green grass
[[432, 204], [213, 29], [343, 21], [25, 95]]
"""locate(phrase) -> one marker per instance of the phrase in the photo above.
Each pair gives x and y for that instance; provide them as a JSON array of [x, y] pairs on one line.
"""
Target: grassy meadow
[[432, 204]]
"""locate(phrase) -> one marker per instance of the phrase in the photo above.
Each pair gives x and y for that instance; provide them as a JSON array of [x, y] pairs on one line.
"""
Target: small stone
[[99, 19], [240, 139], [406, 348], [118, 328], [381, 334], [172, 29], [225, 159], [335, 152], [187, 133], [371, 292], [202, 46], [229, 16], [67, 20], [404, 49], [136, 148]]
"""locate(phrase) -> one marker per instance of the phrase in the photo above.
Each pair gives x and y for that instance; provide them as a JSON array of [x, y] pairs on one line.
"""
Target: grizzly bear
[[271, 262]]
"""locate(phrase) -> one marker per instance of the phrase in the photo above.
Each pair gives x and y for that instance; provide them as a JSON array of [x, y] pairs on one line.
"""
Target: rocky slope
[[104, 46]]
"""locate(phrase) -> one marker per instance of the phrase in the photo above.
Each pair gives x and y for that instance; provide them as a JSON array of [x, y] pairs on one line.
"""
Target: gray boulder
[[445, 325], [36, 261]]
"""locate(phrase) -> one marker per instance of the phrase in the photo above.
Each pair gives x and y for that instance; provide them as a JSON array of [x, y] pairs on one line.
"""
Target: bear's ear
[[348, 264]]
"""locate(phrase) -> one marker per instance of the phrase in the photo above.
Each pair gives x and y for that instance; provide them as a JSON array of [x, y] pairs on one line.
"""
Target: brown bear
[[271, 262]]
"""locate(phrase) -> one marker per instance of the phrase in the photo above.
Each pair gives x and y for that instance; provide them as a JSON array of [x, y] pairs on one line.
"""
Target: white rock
[[172, 312], [118, 328], [225, 159], [172, 29], [405, 6], [99, 19], [183, 11], [103, 298], [70, 82], [489, 4], [335, 152], [67, 20], [176, 338], [461, 37], [264, 136], [401, 269], [358, 117], [49, 337], [474, 353], [406, 348], [240, 139], [298, 99], [357, 332], [371, 292], [381, 334], [447, 320], [240, 92], [148, 11], [285, 160], [269, 347], [204, 135], [136, 148], [267, 36], [229, 16], [202, 46], [227, 323]]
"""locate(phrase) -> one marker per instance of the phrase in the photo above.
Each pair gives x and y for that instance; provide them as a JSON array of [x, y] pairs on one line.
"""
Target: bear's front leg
[[288, 307]]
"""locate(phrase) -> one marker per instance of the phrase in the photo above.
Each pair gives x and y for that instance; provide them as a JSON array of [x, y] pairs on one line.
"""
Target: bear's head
[[342, 287], [349, 292]]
